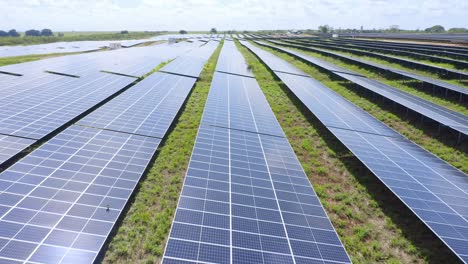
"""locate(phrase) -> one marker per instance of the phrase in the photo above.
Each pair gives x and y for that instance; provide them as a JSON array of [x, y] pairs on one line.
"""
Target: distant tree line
[[391, 29], [9, 33], [32, 32]]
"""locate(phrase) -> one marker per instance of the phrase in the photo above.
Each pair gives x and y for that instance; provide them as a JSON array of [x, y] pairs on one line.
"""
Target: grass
[[443, 145], [394, 65], [374, 226], [408, 86], [142, 235], [27, 58], [75, 36]]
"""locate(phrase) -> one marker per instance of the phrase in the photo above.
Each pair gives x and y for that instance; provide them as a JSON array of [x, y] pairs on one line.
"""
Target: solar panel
[[230, 62], [10, 146], [328, 66], [237, 102], [47, 107], [430, 110], [148, 108], [450, 73], [246, 198], [59, 203], [434, 190]]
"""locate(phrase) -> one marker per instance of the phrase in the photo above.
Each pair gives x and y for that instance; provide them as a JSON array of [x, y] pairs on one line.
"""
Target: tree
[[60, 34], [32, 32], [213, 31], [46, 32], [435, 29], [458, 30], [394, 28], [124, 32], [13, 33], [182, 32], [3, 33], [324, 29]]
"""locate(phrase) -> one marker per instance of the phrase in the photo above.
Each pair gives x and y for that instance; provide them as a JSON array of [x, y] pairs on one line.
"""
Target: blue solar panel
[[191, 64], [246, 198], [10, 146], [35, 113], [237, 102], [435, 82], [442, 115], [59, 203], [148, 108], [229, 61], [434, 190]]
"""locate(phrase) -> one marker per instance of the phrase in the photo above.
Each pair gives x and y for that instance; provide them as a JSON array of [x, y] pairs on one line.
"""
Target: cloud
[[229, 14]]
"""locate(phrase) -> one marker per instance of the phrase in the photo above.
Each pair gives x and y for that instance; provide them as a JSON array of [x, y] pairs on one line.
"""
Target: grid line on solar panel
[[434, 190], [47, 108], [146, 109], [67, 217]]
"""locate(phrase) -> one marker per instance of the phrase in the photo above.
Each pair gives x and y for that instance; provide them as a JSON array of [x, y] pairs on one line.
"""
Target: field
[[373, 224]]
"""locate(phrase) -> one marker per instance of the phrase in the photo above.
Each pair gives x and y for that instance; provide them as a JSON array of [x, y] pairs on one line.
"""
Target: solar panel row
[[442, 115], [392, 50], [231, 63], [60, 202], [433, 82], [135, 61], [434, 190], [444, 72], [246, 198]]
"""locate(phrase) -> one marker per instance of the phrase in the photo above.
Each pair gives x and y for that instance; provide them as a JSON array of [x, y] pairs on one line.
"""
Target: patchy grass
[[441, 144], [392, 64], [144, 229], [373, 224]]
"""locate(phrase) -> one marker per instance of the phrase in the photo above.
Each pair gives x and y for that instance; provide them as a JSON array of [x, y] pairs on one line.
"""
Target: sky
[[156, 15]]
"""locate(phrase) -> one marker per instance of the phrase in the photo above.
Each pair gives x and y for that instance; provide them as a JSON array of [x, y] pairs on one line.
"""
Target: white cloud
[[229, 14]]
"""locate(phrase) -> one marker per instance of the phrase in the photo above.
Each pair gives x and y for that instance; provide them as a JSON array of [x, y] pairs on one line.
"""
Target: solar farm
[[236, 148]]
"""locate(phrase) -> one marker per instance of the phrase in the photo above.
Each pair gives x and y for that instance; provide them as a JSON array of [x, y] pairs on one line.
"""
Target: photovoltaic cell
[[433, 189], [10, 146], [59, 203], [146, 109]]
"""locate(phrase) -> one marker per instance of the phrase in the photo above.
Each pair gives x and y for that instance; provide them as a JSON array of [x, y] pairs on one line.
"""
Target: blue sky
[[81, 15]]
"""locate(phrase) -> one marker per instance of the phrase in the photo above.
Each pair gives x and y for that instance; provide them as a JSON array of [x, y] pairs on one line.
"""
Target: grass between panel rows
[[425, 135], [373, 225], [142, 235]]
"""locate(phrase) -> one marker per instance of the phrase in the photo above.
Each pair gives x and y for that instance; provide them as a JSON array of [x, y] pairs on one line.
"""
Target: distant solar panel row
[[392, 50], [135, 61], [445, 72], [442, 115], [246, 198], [434, 190], [435, 82]]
